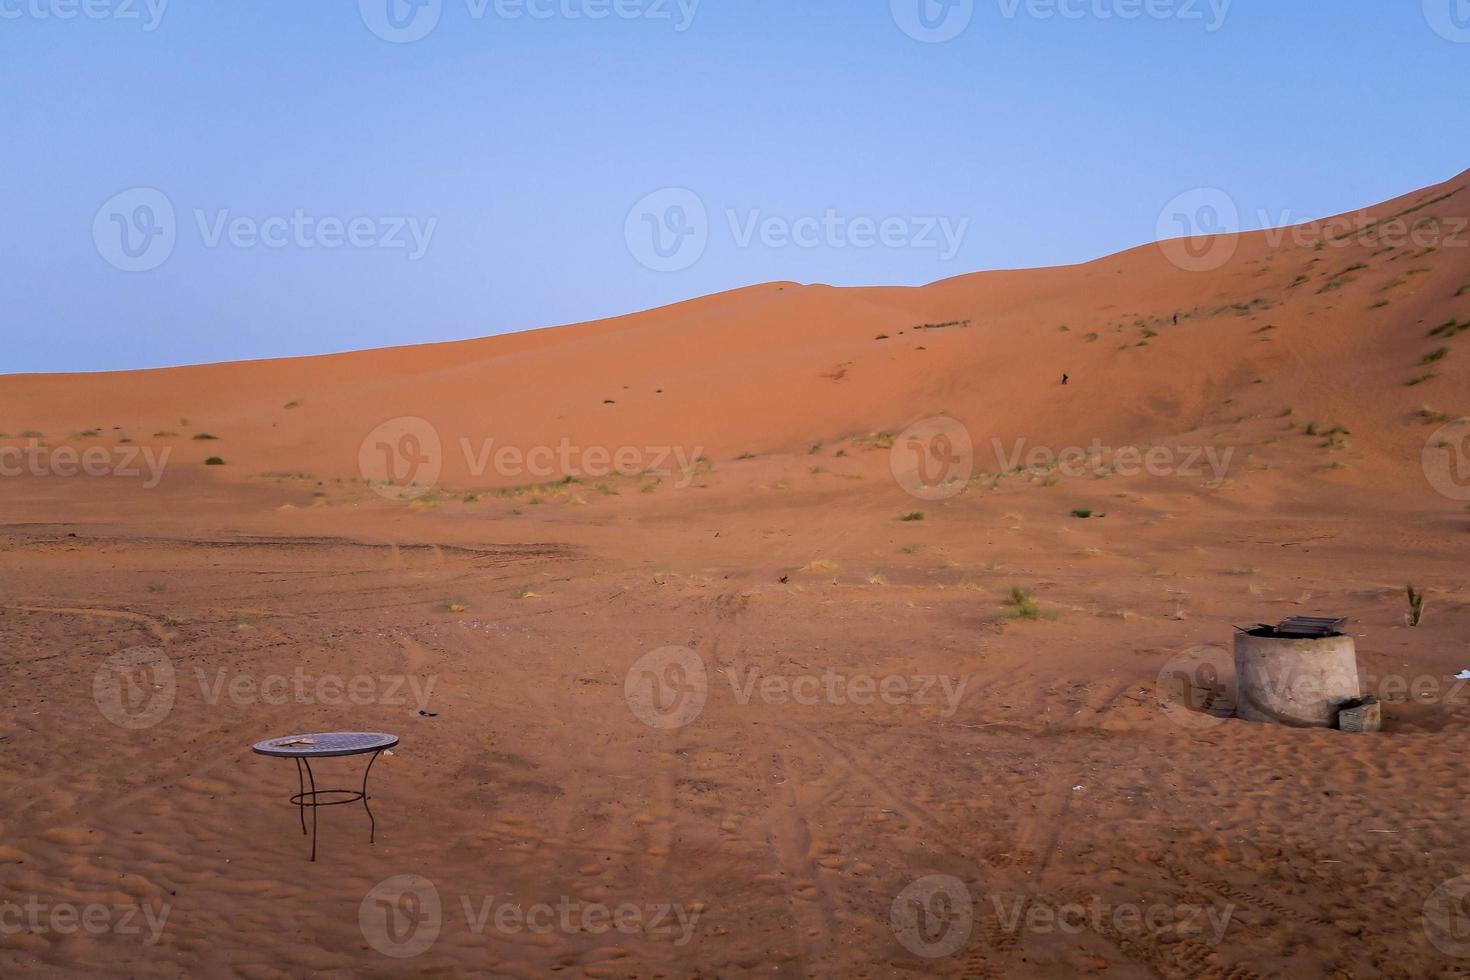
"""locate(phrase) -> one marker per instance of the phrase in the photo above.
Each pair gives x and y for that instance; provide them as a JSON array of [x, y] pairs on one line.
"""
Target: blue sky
[[337, 184]]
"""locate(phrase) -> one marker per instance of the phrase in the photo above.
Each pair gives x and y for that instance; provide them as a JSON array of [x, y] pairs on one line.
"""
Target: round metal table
[[327, 745]]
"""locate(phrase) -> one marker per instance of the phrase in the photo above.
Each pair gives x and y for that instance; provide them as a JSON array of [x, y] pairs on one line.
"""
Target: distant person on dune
[[1176, 319], [1064, 378]]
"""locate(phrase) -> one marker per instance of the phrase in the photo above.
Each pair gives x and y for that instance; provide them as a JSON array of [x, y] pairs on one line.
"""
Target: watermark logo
[[122, 462], [302, 230], [1171, 922], [933, 21], [406, 21], [1100, 460], [668, 230], [402, 458], [148, 12], [135, 688], [401, 21], [1211, 12], [1362, 228], [667, 688], [1196, 688], [1446, 460], [136, 230], [401, 916], [1198, 230], [933, 916], [1419, 689], [933, 459], [1450, 19], [332, 690], [567, 459], [832, 229], [93, 919], [834, 688], [1447, 917], [569, 916], [680, 13], [139, 687]]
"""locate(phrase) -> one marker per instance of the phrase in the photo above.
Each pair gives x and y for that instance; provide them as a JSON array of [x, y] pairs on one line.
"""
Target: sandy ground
[[744, 705]]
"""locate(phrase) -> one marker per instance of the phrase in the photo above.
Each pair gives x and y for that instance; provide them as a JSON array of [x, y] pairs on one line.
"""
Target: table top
[[325, 744]]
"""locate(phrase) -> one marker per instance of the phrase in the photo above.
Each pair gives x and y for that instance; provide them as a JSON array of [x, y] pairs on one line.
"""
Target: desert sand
[[492, 616]]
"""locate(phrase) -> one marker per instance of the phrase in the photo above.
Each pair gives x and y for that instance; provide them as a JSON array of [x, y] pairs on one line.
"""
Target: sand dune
[[775, 367]]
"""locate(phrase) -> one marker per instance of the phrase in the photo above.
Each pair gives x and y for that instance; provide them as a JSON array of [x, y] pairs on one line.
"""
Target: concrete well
[[1292, 680]]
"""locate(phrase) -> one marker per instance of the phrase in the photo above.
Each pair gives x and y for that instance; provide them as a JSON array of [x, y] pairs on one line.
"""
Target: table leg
[[310, 777], [372, 823], [301, 794]]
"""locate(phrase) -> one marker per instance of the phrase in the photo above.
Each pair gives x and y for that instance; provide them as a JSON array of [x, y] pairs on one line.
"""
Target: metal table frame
[[327, 745]]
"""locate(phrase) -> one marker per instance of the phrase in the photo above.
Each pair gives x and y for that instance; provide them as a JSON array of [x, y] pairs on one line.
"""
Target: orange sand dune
[[501, 620], [778, 366]]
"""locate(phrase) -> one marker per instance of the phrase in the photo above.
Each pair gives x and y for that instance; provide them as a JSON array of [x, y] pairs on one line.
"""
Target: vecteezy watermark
[[403, 458], [1099, 460], [667, 688], [138, 230], [403, 916], [149, 13], [833, 687], [1361, 228], [121, 462], [566, 458], [1198, 230], [933, 459], [1201, 687], [406, 21], [669, 231], [91, 919], [302, 230], [937, 21], [934, 916], [1446, 917], [1450, 19], [331, 690], [1196, 687], [401, 21], [1175, 920], [1446, 460], [1211, 13], [1453, 692], [138, 688], [135, 688], [932, 21]]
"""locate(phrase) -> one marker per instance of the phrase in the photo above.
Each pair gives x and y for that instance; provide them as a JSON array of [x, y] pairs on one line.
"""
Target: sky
[[206, 181]]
